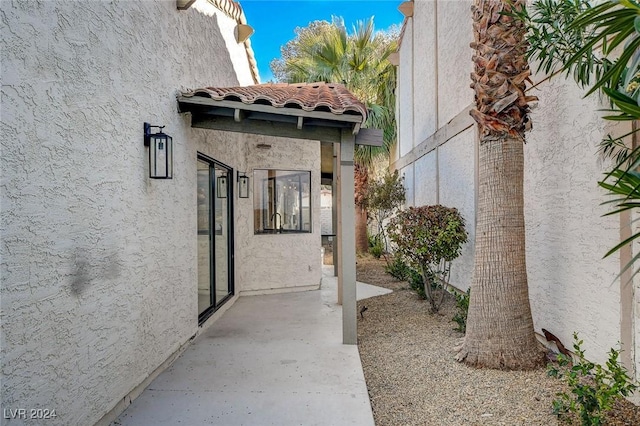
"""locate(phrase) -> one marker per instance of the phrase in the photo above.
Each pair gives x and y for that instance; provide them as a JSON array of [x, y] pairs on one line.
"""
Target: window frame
[[270, 202]]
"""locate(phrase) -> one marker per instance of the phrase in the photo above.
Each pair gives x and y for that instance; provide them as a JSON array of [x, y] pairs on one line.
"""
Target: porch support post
[[334, 212], [347, 240]]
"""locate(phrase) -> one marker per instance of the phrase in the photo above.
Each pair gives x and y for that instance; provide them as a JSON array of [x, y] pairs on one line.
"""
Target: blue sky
[[274, 21]]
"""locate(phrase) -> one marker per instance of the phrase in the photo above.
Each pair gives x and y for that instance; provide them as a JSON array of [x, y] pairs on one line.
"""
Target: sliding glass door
[[215, 230]]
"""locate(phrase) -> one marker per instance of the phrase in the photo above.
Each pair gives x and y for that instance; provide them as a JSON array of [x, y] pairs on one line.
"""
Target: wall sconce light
[[406, 9], [243, 185], [221, 186], [243, 32], [160, 153]]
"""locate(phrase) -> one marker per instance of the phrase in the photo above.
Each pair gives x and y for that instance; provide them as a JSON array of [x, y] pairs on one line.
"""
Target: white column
[[347, 239]]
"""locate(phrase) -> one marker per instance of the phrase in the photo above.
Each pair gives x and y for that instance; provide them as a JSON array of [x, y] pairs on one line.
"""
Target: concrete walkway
[[269, 360]]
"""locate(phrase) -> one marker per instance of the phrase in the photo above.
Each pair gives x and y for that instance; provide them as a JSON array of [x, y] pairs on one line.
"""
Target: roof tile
[[331, 97]]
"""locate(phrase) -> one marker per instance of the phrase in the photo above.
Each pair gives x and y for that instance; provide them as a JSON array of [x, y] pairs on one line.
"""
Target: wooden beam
[[347, 240], [185, 101], [394, 58], [271, 128], [300, 122], [371, 137]]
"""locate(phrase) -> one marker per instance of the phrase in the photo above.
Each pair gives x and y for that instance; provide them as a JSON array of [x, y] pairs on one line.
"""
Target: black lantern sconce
[[243, 185], [160, 153], [221, 186]]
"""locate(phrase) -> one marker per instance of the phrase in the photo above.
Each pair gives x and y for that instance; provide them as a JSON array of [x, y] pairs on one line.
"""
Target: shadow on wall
[[86, 269]]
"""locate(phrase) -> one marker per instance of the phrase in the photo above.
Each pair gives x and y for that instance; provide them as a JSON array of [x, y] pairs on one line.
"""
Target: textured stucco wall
[[99, 262], [571, 287], [426, 175], [281, 261], [409, 178], [454, 57], [456, 161], [405, 93], [424, 88]]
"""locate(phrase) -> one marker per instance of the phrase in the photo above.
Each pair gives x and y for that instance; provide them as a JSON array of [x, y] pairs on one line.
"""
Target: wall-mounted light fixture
[[160, 153], [243, 32], [243, 185], [221, 186], [406, 9], [184, 4]]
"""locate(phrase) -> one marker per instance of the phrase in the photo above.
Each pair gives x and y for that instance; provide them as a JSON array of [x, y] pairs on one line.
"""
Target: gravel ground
[[413, 379]]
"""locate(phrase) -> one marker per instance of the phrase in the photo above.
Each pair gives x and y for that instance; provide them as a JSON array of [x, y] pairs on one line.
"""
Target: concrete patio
[[269, 360]]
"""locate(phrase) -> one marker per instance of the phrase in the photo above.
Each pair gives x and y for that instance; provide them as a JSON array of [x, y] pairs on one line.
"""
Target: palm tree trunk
[[362, 238], [499, 324], [500, 330], [361, 177]]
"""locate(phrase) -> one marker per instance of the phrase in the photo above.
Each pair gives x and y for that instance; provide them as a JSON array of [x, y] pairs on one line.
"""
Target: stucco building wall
[[453, 57], [571, 287], [456, 179], [405, 94], [424, 93], [98, 262], [276, 262]]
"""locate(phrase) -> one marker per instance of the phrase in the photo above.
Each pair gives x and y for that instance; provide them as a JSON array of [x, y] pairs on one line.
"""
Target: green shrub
[[417, 283], [462, 306], [428, 238], [594, 388], [376, 246], [382, 198], [398, 269]]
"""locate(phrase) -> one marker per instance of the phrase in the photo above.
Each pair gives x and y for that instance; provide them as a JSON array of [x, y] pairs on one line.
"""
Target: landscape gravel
[[408, 360]]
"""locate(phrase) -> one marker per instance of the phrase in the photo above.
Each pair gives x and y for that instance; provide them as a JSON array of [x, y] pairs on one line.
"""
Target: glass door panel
[[215, 243], [221, 237], [204, 236]]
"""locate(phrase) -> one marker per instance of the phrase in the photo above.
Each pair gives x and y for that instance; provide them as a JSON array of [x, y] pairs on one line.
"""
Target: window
[[281, 201]]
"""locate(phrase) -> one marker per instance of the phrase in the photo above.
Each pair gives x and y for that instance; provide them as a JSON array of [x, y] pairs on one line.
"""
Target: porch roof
[[317, 111]]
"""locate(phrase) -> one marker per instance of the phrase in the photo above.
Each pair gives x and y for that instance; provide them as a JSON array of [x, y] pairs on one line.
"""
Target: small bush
[[428, 238], [398, 269], [417, 283], [462, 305], [593, 388], [376, 246]]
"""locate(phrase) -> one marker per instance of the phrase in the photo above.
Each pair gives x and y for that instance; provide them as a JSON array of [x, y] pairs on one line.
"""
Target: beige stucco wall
[[426, 173], [279, 262], [454, 53], [405, 94], [572, 288], [456, 179], [424, 89], [99, 262]]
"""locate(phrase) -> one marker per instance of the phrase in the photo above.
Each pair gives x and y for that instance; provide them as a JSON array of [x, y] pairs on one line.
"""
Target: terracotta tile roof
[[332, 97], [231, 8]]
